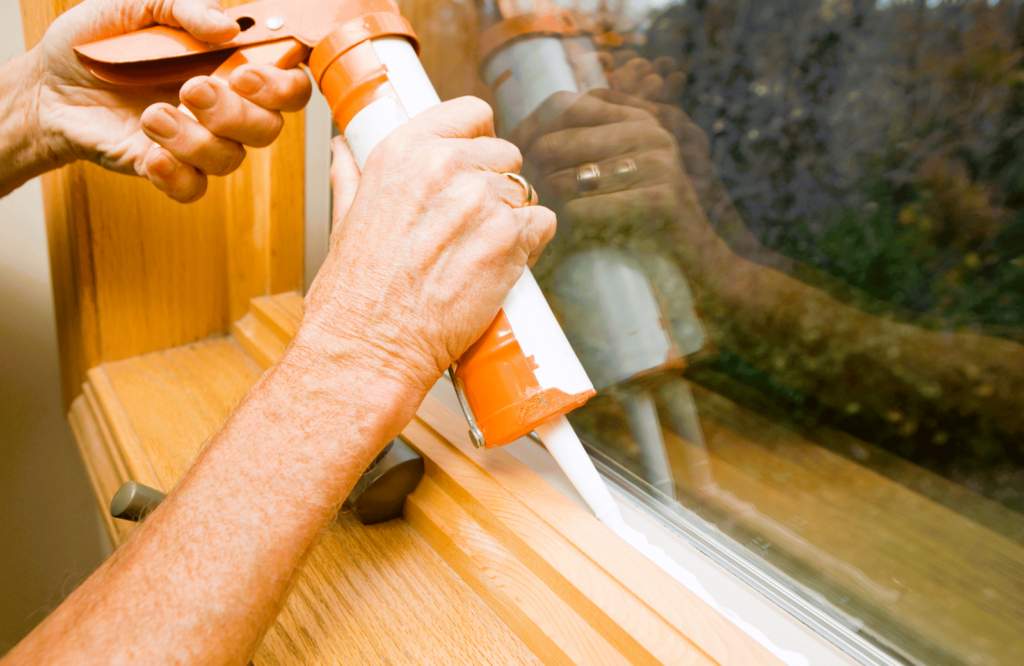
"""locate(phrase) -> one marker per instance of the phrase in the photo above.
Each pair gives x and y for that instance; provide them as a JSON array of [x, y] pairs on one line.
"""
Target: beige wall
[[49, 533]]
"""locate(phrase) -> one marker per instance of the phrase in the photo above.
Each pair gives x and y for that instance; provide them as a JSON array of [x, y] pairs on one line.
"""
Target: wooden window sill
[[490, 564]]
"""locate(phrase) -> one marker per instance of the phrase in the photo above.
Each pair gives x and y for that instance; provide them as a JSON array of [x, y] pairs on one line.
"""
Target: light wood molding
[[265, 199], [134, 272], [491, 562]]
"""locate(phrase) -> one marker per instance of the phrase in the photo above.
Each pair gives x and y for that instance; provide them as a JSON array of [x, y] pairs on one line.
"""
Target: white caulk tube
[[522, 372], [615, 323], [528, 314], [413, 94]]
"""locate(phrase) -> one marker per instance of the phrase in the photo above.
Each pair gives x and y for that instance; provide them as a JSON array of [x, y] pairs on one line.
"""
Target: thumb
[[204, 20], [344, 178]]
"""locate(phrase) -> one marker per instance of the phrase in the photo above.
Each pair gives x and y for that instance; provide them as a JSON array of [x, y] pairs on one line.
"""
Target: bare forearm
[[23, 152], [203, 578]]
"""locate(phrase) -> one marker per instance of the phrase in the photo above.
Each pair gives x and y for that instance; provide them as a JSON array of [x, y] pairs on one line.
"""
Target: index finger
[[460, 118]]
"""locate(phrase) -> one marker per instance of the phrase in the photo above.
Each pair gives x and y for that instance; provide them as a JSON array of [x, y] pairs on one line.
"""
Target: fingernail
[[163, 124], [201, 95], [162, 166], [247, 82]]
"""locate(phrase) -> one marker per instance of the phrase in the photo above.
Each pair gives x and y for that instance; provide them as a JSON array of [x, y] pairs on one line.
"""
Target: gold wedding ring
[[527, 188], [626, 167], [588, 177]]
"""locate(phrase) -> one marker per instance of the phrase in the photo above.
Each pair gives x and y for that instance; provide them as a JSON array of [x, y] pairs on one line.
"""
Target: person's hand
[[602, 165], [616, 176], [694, 150], [656, 86], [139, 130], [426, 245]]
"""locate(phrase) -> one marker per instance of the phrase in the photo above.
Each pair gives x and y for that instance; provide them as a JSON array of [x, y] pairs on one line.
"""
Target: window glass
[[791, 258]]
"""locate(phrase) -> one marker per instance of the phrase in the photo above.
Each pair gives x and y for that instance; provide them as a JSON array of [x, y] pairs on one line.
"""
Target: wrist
[[328, 387], [386, 356]]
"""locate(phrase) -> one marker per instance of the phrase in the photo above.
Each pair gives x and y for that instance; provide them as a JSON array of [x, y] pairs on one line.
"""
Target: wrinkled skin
[[432, 242], [139, 130]]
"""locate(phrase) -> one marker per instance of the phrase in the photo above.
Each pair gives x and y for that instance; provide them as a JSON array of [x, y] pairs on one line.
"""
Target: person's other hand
[[600, 164], [606, 163], [695, 153], [139, 130], [426, 245], [656, 86]]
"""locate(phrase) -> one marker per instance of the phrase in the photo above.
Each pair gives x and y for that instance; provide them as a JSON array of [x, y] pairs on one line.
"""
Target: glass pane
[[791, 257]]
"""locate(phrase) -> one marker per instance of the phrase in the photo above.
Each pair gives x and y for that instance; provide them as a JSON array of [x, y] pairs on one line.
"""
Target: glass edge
[[762, 577]]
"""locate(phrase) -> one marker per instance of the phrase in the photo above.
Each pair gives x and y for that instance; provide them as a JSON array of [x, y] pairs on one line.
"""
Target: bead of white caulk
[[567, 450]]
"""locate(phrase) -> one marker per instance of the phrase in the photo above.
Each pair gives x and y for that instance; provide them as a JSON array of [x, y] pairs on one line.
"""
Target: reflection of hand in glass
[[614, 172], [842, 356], [611, 170], [656, 86], [659, 80], [917, 380]]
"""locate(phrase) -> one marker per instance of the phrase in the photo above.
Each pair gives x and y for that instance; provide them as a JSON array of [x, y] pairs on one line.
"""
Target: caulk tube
[[370, 73], [615, 323], [521, 372], [527, 58]]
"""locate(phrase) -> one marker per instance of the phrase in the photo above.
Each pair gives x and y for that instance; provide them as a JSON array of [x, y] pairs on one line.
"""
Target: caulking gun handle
[[284, 53]]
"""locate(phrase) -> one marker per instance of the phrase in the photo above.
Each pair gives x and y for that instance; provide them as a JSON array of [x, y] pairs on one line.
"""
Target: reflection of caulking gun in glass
[[626, 331], [521, 375]]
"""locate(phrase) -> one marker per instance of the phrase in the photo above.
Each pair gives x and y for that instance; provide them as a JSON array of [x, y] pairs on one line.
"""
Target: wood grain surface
[[135, 272], [367, 595], [491, 565]]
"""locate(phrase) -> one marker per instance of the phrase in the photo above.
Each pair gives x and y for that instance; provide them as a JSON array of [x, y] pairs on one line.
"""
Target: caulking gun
[[521, 375]]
